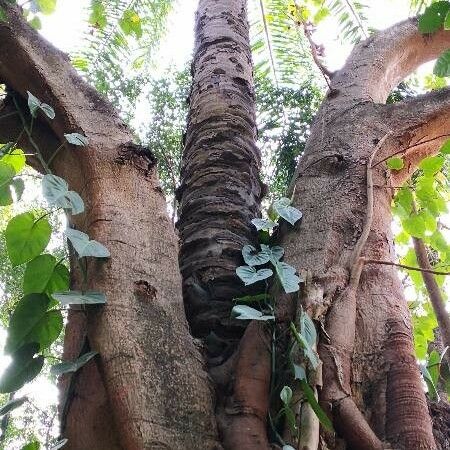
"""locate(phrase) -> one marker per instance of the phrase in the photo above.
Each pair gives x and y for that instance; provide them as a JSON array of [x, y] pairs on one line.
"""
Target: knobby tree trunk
[[220, 193], [147, 389]]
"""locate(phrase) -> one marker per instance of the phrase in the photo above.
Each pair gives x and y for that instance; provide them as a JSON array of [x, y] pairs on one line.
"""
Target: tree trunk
[[368, 350], [147, 389]]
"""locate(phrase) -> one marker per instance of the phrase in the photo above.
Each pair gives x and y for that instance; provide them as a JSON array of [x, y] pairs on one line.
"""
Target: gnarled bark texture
[[220, 188], [220, 194], [147, 389], [368, 353]]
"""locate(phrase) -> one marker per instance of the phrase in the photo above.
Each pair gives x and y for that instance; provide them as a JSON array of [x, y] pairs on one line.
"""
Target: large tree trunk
[[368, 350], [147, 389], [220, 194]]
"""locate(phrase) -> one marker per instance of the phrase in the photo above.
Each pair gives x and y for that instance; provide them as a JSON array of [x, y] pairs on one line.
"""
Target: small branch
[[434, 292], [403, 266]]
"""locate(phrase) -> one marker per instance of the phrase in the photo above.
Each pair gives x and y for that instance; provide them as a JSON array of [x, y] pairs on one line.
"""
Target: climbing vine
[[37, 319], [266, 265]]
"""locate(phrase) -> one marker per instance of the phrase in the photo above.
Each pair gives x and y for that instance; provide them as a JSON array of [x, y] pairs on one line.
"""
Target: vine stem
[[403, 266], [30, 138]]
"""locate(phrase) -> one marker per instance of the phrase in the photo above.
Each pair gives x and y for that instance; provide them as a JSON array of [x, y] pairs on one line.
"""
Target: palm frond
[[118, 44], [351, 19], [279, 47]]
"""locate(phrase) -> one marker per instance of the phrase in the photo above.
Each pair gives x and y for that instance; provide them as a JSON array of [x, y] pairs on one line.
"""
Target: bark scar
[[144, 291]]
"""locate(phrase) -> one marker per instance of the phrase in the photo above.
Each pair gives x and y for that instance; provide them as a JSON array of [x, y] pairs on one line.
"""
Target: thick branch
[[379, 63]]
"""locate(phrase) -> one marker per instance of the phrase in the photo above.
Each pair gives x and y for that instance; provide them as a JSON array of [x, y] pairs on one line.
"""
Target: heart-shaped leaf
[[34, 104], [80, 298], [434, 16], [302, 341], [7, 174], [286, 274], [286, 395], [254, 258], [244, 312], [283, 209], [22, 369], [35, 445], [308, 329], [12, 405], [16, 159], [274, 253], [44, 274], [26, 237], [72, 366], [56, 192], [264, 224], [250, 275], [77, 139], [32, 322], [84, 246]]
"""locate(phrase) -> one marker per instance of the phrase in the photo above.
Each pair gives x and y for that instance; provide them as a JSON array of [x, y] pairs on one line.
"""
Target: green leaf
[[3, 17], [12, 405], [244, 312], [303, 342], [80, 298], [77, 139], [46, 6], [130, 23], [32, 322], [447, 21], [254, 298], [433, 17], [19, 186], [431, 165], [432, 391], [254, 258], [405, 199], [308, 329], [283, 209], [36, 23], [433, 366], [442, 66], [43, 274], [56, 192], [445, 149], [84, 246], [264, 224], [274, 253], [286, 395], [98, 16], [72, 366], [249, 275], [286, 274], [415, 226], [32, 446], [7, 174], [16, 159], [395, 163], [34, 104], [320, 413], [22, 369], [26, 237]]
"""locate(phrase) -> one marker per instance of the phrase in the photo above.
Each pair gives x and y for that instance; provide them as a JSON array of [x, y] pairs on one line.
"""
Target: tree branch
[[379, 63], [422, 126]]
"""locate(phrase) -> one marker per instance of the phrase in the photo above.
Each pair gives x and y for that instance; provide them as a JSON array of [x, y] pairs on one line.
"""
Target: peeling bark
[[147, 390], [220, 189]]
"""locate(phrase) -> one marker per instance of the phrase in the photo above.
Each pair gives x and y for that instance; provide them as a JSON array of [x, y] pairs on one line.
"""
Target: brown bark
[[220, 189], [381, 377], [220, 193], [147, 390]]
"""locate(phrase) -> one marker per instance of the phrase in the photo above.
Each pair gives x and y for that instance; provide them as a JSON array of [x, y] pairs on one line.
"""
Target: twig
[[403, 266]]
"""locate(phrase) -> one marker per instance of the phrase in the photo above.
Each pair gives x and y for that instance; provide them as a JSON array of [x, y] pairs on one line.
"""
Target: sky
[[68, 25]]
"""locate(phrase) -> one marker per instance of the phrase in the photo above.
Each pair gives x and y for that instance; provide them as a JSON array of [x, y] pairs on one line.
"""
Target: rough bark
[[220, 193], [147, 389], [220, 188], [377, 372]]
